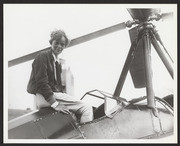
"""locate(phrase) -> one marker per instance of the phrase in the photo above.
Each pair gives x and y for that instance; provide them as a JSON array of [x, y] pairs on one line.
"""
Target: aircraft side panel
[[58, 126], [44, 124], [25, 131], [131, 123], [125, 125]]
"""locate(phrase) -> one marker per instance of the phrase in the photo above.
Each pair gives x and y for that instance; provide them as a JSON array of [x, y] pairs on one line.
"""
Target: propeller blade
[[73, 42]]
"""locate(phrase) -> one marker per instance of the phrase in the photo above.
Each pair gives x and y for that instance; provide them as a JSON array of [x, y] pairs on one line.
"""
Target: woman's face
[[58, 45]]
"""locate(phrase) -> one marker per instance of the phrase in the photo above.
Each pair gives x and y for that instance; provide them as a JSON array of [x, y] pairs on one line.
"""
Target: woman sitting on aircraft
[[45, 81]]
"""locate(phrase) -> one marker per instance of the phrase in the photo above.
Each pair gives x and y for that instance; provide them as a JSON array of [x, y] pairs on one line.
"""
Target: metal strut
[[126, 68], [148, 69], [146, 32], [161, 55]]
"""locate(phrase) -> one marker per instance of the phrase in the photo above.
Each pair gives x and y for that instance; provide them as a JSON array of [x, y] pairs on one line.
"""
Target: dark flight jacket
[[42, 79]]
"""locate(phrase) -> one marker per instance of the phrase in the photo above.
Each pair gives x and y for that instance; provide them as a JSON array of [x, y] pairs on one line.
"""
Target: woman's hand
[[62, 108]]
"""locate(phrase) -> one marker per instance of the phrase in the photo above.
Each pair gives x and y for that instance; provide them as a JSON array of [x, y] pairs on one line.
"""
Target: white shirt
[[55, 59]]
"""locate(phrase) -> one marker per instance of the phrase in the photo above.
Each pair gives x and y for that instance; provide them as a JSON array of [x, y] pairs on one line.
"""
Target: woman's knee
[[86, 109]]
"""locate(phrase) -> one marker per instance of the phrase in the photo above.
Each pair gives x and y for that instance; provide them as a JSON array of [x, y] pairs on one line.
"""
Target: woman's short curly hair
[[58, 34]]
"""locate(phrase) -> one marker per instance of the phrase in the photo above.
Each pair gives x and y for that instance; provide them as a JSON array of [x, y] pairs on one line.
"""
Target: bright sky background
[[95, 64]]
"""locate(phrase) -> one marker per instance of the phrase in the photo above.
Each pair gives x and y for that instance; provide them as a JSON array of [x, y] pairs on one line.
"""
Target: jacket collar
[[52, 56]]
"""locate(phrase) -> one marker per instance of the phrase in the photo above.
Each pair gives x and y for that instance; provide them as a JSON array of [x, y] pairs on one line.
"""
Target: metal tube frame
[[147, 34], [162, 55], [125, 69], [148, 69]]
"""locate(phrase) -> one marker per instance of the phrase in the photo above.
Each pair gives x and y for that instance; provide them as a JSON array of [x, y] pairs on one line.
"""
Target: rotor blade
[[24, 58], [165, 16], [73, 42]]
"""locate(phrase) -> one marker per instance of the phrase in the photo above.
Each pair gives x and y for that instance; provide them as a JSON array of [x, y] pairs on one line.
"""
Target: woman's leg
[[40, 101], [76, 106]]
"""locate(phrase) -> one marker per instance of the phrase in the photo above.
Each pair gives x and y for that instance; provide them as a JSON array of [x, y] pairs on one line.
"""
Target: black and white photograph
[[90, 73]]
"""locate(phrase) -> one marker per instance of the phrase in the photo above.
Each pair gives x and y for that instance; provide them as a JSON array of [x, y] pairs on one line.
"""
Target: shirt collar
[[55, 59]]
